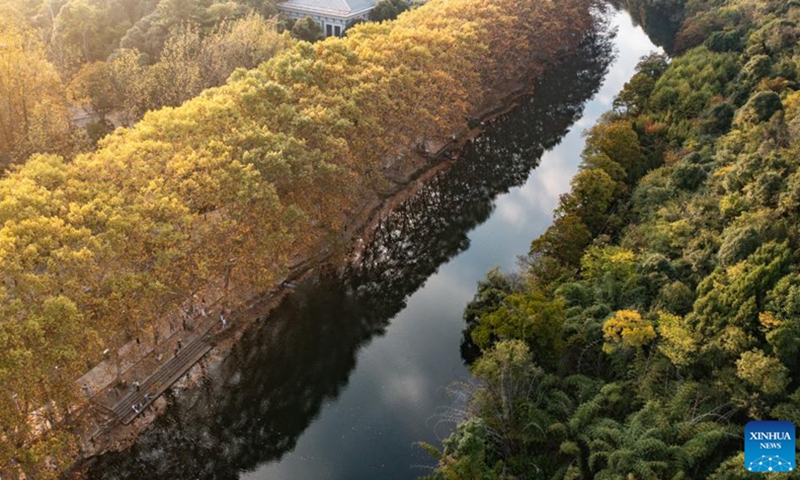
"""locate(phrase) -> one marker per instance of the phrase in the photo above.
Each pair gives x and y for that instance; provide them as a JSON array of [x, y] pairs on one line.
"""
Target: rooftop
[[333, 7]]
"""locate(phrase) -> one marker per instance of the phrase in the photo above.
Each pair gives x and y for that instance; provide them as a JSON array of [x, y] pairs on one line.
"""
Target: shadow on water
[[257, 404]]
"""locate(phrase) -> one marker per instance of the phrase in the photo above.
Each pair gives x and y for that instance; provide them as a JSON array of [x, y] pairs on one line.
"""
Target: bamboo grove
[[659, 313], [241, 181]]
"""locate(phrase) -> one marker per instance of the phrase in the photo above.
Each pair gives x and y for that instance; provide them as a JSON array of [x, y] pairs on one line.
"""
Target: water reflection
[[661, 20], [256, 405], [433, 226]]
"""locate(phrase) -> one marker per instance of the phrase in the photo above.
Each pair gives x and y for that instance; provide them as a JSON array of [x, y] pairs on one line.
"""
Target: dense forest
[[74, 70], [238, 182], [659, 313], [115, 60]]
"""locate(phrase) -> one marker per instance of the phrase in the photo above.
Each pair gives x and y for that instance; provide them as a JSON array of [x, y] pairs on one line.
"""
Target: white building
[[331, 15]]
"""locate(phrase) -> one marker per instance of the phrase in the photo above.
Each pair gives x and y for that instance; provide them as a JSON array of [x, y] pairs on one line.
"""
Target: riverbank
[[232, 187], [256, 307], [663, 297], [347, 373]]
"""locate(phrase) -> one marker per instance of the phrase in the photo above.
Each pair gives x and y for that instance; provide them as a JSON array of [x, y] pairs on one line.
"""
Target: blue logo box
[[769, 446]]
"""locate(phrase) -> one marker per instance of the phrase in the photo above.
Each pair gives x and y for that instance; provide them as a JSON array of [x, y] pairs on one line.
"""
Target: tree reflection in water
[[253, 408]]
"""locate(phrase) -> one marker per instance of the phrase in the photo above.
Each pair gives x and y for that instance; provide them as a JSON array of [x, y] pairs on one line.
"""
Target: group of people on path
[[139, 407], [188, 315], [194, 309]]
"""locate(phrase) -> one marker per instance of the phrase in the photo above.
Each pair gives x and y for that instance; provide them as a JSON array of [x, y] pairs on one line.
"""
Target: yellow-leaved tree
[[627, 329], [33, 111]]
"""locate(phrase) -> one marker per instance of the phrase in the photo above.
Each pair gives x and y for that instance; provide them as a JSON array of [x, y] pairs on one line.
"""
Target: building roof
[[331, 7]]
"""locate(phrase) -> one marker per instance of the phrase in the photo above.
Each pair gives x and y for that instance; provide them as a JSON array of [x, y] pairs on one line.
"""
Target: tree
[[765, 373], [718, 119], [466, 454], [653, 65], [242, 43], [620, 143], [33, 113], [679, 342], [688, 176], [127, 79], [529, 317], [176, 77], [307, 29], [611, 272], [564, 240], [737, 244], [387, 10], [627, 329], [633, 97], [759, 108], [180, 12], [488, 298], [77, 24], [593, 193], [93, 85], [352, 23], [519, 403], [676, 297]]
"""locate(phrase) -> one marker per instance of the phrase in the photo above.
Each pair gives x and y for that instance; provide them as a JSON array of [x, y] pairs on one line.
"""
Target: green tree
[[593, 193], [78, 24], [529, 317], [765, 373], [387, 10], [611, 271], [619, 142], [307, 29], [92, 85], [678, 340], [564, 240], [521, 422], [466, 454], [759, 108]]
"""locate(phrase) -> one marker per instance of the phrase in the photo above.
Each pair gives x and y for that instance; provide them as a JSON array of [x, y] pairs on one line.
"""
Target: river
[[341, 380]]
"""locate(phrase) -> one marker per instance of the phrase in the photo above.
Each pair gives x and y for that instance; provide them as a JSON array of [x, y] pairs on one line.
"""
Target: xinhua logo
[[769, 446]]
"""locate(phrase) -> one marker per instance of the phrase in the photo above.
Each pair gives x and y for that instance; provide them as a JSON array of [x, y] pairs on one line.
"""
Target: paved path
[[114, 403], [157, 370], [163, 378]]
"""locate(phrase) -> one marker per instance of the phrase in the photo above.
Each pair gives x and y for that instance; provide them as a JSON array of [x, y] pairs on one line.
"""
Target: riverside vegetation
[[238, 183], [659, 313], [119, 59]]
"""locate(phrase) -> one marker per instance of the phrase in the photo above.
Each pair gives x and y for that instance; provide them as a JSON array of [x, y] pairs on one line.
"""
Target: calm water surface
[[341, 380]]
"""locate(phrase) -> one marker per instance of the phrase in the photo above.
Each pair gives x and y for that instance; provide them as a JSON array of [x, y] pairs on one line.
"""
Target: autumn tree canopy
[[263, 169]]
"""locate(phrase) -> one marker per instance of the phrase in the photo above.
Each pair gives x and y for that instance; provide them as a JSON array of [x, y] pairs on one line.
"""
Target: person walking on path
[[203, 311], [86, 390], [180, 344], [136, 385], [222, 319]]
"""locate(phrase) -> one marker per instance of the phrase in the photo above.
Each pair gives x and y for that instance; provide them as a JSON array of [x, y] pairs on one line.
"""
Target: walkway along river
[[340, 380]]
